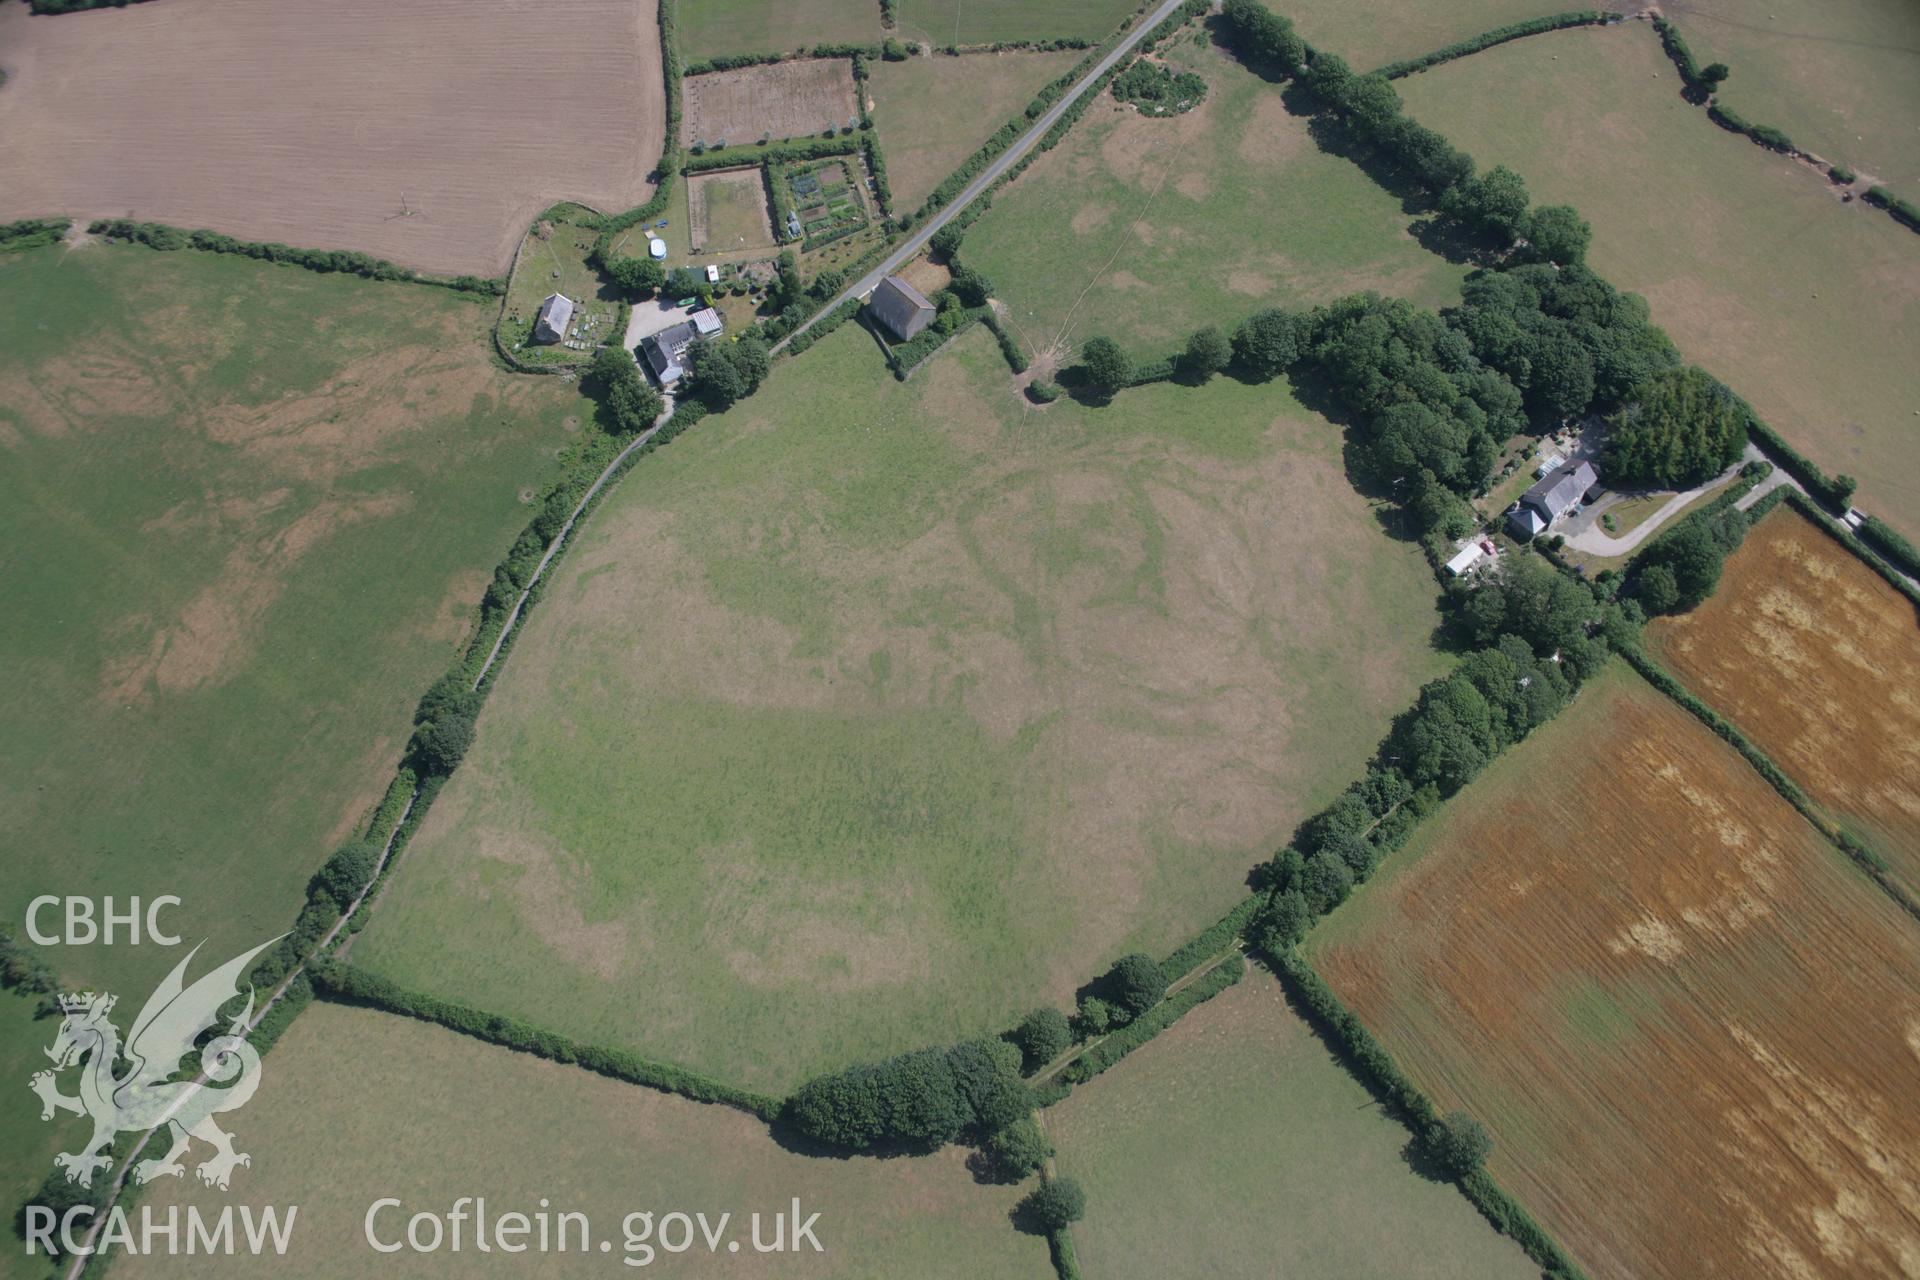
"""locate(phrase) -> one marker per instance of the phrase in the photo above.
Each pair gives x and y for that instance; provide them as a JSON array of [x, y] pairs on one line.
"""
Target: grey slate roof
[[901, 307], [666, 349], [556, 310], [1560, 489]]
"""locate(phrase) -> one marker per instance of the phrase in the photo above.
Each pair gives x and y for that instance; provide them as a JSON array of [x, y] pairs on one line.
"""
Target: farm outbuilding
[[901, 308], [556, 313]]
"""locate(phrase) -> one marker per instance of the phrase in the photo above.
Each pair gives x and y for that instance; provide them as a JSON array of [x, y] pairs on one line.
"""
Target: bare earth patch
[[429, 132], [782, 100]]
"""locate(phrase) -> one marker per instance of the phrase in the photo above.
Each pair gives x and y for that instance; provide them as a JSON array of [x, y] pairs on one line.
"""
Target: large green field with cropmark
[[248, 512], [865, 685], [1145, 229]]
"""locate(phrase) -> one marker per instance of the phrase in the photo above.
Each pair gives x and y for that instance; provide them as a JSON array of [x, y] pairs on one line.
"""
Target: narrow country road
[[991, 174]]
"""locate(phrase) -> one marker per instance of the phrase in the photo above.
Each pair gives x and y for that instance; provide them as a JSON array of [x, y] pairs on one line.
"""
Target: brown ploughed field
[[1814, 657], [783, 100], [429, 132], [1692, 1027]]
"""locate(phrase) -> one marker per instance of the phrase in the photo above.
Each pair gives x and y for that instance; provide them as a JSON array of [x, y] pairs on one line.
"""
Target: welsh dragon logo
[[143, 1097]]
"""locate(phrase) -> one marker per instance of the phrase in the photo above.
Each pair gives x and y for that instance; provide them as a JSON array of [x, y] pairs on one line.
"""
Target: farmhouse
[[1550, 499], [665, 352], [901, 307], [556, 312]]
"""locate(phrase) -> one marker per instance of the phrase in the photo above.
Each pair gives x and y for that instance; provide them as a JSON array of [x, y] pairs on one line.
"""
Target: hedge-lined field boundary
[[30, 233], [1701, 90], [166, 238], [348, 985], [1498, 36], [1858, 852], [1370, 1061], [1118, 1044]]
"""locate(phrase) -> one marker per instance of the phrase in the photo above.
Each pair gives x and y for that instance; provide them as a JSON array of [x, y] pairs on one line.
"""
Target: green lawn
[[711, 28], [356, 1105], [1236, 1144], [1146, 229], [1803, 305], [944, 22], [247, 512], [871, 713], [1841, 77]]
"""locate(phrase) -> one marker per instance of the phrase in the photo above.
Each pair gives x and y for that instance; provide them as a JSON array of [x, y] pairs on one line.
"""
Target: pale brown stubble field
[[429, 132]]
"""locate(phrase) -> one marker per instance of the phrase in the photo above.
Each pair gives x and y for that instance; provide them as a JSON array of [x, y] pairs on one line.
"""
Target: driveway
[[1584, 532], [649, 318]]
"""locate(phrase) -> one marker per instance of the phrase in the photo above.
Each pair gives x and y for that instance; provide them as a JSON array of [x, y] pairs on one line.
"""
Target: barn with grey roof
[[903, 309]]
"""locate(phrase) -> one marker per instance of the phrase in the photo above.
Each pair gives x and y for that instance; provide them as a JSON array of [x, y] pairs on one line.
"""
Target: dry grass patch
[[1804, 306], [1688, 1022], [1817, 660], [932, 113], [356, 1105], [429, 132], [779, 100]]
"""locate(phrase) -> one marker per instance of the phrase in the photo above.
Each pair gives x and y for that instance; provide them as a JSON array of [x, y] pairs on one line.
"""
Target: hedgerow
[[156, 235], [1151, 1023], [669, 165], [30, 233], [1376, 1068], [737, 61], [1904, 211], [1870, 862], [1499, 35], [348, 985], [786, 151], [1766, 135], [1835, 491], [1889, 542]]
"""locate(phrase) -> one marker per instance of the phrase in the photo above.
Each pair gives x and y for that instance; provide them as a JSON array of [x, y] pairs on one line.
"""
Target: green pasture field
[[1236, 1144], [555, 262], [1803, 305], [945, 22], [932, 113], [27, 1143], [870, 714], [1840, 77], [248, 512], [1146, 229], [356, 1105], [1374, 33], [711, 28]]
